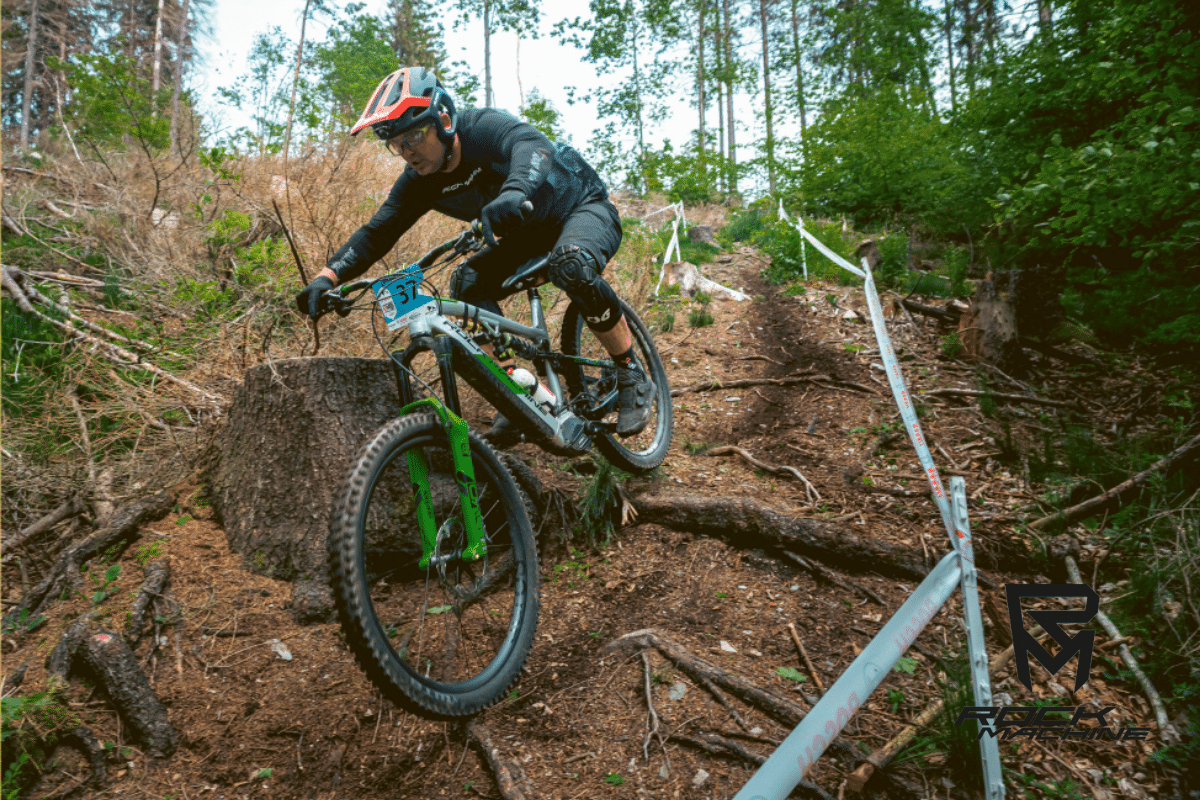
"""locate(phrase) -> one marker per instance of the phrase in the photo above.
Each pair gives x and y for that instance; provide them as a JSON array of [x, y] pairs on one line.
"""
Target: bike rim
[[452, 632]]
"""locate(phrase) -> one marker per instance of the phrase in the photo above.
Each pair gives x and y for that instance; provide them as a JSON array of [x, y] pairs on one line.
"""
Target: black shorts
[[594, 227]]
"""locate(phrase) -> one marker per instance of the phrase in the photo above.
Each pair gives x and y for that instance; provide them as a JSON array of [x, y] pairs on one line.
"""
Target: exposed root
[[504, 778], [810, 491]]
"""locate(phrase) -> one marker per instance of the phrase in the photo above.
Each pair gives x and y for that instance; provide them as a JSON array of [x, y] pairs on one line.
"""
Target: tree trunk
[[287, 135], [293, 429], [722, 164], [768, 111], [156, 67], [1046, 19], [950, 56], [729, 101], [702, 101], [637, 94], [799, 72], [488, 101], [183, 29], [30, 57]]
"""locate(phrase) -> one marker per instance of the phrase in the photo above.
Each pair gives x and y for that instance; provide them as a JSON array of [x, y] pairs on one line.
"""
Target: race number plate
[[400, 299]]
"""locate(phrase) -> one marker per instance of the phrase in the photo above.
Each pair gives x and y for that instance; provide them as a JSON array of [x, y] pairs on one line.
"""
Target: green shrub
[[893, 260], [700, 316]]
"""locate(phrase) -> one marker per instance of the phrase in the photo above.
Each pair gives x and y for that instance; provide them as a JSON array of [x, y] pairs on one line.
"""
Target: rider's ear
[[445, 120]]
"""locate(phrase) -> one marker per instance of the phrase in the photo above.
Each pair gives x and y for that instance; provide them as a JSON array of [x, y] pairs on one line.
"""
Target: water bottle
[[528, 381]]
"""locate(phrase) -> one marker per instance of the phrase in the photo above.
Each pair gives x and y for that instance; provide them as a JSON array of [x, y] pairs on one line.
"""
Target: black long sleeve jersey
[[499, 152]]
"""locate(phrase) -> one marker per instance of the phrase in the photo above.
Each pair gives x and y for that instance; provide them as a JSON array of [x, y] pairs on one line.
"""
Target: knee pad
[[573, 270]]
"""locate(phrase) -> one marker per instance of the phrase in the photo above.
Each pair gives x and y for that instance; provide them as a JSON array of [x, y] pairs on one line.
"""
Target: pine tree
[[415, 34]]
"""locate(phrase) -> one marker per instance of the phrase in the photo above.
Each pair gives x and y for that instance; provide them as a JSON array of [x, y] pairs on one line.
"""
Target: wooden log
[[745, 522]]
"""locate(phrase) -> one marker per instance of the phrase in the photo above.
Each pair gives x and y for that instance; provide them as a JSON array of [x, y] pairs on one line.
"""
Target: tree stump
[[988, 330], [293, 428], [701, 233]]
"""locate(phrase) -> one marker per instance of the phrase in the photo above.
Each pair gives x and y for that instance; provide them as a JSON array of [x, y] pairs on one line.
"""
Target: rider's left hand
[[501, 215]]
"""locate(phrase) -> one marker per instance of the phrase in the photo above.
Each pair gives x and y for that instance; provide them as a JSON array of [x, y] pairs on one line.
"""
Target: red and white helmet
[[408, 97]]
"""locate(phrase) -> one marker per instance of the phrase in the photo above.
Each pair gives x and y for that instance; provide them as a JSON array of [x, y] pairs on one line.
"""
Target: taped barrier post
[[776, 778], [673, 245]]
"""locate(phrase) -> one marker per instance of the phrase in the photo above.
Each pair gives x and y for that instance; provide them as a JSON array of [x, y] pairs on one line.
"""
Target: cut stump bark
[[293, 430]]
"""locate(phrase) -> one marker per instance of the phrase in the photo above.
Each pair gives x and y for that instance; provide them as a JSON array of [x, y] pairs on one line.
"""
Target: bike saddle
[[532, 273]]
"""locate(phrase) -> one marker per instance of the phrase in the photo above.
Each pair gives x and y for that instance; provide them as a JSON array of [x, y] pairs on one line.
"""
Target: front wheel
[[644, 451], [449, 638]]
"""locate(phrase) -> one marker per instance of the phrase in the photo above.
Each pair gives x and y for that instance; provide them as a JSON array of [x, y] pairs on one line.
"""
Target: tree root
[[122, 528], [504, 778], [157, 573], [810, 491], [745, 522]]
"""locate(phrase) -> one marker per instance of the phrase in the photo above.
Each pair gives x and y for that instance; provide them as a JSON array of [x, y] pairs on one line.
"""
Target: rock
[[701, 777], [280, 649], [727, 647], [677, 691], [701, 233]]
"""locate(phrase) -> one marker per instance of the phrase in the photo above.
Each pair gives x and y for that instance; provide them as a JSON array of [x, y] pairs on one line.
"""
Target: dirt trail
[[254, 723]]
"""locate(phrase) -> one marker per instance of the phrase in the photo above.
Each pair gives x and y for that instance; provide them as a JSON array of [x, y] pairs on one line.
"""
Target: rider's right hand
[[310, 301]]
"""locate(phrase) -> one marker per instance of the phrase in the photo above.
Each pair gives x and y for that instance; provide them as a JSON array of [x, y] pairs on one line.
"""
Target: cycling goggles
[[409, 140]]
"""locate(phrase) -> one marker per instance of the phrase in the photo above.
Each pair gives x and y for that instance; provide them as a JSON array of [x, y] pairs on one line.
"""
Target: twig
[[68, 509], [810, 491], [653, 723], [1088, 505], [291, 244], [1016, 398], [807, 661], [669, 348], [1166, 730], [822, 571]]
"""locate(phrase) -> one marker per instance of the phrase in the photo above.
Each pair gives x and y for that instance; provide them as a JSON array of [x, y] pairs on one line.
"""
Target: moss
[[150, 551]]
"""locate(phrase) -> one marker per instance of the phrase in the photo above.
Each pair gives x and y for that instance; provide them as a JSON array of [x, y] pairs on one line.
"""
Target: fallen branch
[[122, 528], [157, 574], [1165, 729], [652, 725], [745, 522], [821, 571], [1087, 506], [504, 779], [1016, 398], [810, 491], [807, 661], [67, 510]]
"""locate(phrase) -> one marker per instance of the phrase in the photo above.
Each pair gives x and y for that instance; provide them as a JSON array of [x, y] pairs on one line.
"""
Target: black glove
[[502, 214], [309, 300]]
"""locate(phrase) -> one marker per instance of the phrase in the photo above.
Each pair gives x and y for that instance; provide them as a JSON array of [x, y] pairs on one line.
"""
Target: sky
[[544, 65]]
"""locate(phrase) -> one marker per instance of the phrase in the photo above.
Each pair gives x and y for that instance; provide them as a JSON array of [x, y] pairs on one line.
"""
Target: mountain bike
[[434, 562]]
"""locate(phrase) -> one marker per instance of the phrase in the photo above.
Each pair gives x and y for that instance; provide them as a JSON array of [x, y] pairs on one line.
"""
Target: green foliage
[[32, 360], [352, 61], [24, 624], [700, 316], [600, 504], [111, 101], [951, 345], [791, 674], [881, 153], [614, 779], [30, 727], [896, 699], [541, 114], [906, 665], [954, 267], [893, 261], [102, 588]]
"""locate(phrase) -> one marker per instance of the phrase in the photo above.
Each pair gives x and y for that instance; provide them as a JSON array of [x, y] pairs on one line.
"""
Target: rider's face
[[426, 156]]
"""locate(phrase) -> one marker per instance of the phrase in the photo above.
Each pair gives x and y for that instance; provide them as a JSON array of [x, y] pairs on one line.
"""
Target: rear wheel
[[643, 451], [445, 640]]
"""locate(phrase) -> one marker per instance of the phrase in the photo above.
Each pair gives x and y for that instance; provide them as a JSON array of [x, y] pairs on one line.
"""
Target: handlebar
[[468, 241]]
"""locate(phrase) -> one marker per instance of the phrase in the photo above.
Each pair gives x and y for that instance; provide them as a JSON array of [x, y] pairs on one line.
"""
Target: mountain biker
[[485, 164]]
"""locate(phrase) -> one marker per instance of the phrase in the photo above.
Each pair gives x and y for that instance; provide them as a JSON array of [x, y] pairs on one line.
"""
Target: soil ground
[[255, 724]]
